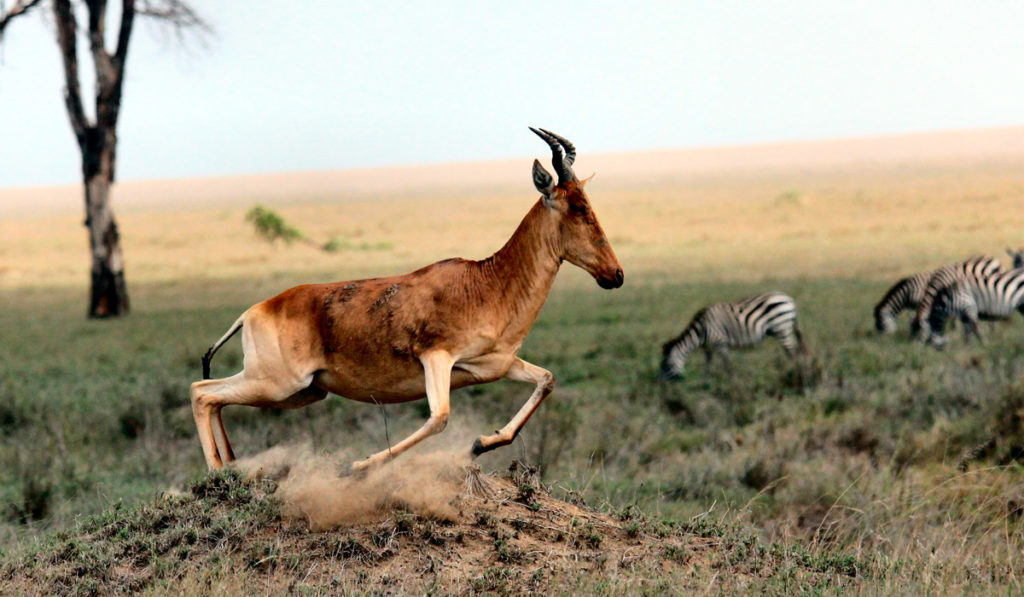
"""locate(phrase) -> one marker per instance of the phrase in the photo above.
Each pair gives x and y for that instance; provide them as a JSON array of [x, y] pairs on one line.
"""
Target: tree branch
[[177, 13], [20, 7], [106, 75], [109, 68], [66, 32], [124, 34]]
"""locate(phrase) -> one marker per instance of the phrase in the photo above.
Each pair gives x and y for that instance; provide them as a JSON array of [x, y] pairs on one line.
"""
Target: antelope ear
[[543, 181]]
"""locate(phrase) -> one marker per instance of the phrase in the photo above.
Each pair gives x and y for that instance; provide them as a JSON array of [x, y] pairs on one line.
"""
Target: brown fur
[[448, 325]]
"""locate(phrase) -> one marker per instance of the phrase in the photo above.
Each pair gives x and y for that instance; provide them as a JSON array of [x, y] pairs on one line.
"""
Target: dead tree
[[97, 137]]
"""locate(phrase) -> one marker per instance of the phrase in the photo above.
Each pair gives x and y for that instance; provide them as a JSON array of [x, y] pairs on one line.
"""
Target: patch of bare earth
[[499, 533], [435, 521]]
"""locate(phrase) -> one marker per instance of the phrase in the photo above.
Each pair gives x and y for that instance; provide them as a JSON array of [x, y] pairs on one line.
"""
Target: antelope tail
[[213, 349]]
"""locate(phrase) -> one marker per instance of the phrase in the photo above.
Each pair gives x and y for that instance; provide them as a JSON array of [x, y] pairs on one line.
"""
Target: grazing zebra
[[910, 291], [905, 294], [978, 297], [975, 267], [721, 326]]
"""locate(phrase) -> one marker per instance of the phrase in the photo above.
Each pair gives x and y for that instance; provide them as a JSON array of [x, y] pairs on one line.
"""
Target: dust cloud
[[312, 488]]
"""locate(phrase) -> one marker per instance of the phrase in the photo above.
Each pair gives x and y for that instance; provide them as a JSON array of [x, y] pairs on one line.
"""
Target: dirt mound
[[496, 534], [493, 533]]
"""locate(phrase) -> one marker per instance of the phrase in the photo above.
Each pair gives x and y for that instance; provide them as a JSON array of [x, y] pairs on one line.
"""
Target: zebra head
[[673, 361], [675, 352], [1018, 257], [885, 323]]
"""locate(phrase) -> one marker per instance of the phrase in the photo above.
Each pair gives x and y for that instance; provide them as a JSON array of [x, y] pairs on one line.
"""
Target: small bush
[[270, 226]]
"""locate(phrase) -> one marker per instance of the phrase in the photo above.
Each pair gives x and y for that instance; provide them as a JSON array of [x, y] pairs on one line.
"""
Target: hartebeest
[[388, 340]]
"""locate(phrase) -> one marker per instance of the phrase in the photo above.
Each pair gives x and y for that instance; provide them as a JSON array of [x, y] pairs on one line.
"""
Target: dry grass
[[875, 208]]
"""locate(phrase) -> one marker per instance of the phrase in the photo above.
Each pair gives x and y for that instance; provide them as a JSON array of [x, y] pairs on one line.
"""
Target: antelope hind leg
[[224, 447], [301, 398], [211, 395]]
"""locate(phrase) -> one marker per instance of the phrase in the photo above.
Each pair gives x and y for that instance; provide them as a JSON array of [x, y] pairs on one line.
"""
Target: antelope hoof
[[478, 448], [493, 442], [357, 470]]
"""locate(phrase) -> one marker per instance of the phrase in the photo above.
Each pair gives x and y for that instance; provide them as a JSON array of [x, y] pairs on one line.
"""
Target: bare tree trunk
[[109, 294], [97, 139]]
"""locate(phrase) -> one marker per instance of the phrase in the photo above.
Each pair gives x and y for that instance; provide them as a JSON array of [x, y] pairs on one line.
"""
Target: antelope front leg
[[520, 371], [437, 370]]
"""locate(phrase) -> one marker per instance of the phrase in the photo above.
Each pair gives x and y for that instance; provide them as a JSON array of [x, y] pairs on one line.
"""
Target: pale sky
[[327, 84]]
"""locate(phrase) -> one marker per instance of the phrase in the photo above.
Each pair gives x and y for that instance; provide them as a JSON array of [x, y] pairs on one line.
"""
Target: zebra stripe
[[905, 294], [980, 297], [978, 266], [721, 326]]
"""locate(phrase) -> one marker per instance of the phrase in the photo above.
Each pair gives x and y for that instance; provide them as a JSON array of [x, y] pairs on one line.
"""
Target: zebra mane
[[696, 328], [896, 289]]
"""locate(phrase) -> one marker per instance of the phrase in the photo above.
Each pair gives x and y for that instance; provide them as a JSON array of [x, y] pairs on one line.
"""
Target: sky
[[322, 84]]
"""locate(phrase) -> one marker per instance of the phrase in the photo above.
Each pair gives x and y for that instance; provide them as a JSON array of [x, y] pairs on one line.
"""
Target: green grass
[[902, 458]]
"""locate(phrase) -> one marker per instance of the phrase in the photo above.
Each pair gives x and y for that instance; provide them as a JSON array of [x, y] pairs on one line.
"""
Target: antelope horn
[[562, 163], [570, 149]]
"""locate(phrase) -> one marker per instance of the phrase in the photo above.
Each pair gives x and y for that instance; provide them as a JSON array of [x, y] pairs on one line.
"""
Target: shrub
[[271, 226]]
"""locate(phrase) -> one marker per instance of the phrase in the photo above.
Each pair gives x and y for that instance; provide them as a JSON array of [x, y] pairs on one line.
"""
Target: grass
[[227, 529], [901, 456], [900, 466], [165, 538]]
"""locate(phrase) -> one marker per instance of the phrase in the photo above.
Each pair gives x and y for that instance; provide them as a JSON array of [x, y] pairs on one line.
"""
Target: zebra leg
[[802, 356], [969, 317], [724, 353], [971, 328], [792, 343]]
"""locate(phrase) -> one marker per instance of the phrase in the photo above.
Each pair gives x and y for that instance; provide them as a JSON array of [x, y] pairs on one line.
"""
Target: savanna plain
[[898, 470]]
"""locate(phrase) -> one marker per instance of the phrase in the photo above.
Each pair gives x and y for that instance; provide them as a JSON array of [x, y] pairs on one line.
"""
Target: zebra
[[977, 266], [971, 298], [905, 294], [910, 291], [721, 326]]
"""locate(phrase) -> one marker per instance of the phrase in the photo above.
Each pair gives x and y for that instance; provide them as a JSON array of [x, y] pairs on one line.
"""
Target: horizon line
[[505, 159]]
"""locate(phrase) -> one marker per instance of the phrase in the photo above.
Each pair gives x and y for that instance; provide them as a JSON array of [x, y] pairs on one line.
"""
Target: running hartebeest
[[387, 340]]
